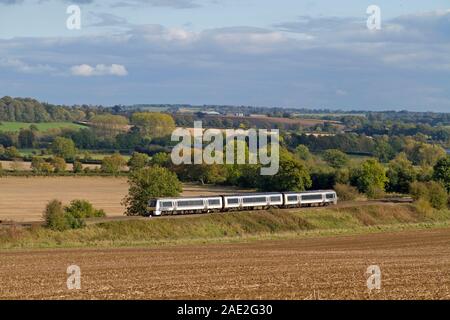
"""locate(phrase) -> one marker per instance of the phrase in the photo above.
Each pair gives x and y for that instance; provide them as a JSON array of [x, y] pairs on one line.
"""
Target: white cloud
[[24, 67], [85, 70]]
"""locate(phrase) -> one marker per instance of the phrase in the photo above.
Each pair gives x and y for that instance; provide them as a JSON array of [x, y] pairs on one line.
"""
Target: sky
[[285, 53]]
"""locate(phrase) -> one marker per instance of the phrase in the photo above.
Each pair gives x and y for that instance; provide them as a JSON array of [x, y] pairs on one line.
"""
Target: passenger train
[[237, 202]]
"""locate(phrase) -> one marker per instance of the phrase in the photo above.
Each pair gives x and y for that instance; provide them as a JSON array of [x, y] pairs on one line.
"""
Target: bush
[[77, 167], [61, 218], [432, 192], [83, 209], [346, 192], [54, 216]]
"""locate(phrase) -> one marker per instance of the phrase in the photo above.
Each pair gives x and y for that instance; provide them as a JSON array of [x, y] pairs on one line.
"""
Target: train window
[[312, 197], [233, 201], [166, 204], [254, 200], [275, 199], [330, 195], [190, 203], [214, 202], [292, 198], [152, 203]]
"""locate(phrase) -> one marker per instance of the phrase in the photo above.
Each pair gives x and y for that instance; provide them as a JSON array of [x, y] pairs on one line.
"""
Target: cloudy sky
[[292, 53]]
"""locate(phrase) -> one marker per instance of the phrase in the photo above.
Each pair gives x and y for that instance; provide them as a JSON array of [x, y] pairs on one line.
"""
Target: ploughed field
[[23, 199], [414, 265]]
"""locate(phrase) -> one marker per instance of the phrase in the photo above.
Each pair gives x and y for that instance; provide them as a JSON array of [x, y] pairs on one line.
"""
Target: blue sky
[[293, 53]]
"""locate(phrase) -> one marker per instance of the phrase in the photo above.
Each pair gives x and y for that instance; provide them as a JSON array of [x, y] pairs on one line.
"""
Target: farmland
[[24, 199], [415, 264], [43, 126]]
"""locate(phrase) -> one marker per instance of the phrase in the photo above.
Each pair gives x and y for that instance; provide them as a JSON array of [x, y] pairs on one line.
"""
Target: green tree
[[82, 209], [335, 158], [400, 173], [161, 159], [302, 152], [108, 126], [77, 166], [147, 183], [442, 172], [12, 153], [153, 124], [113, 164], [54, 216], [36, 164], [138, 161], [26, 138], [292, 175], [59, 164], [432, 192], [369, 176], [63, 147]]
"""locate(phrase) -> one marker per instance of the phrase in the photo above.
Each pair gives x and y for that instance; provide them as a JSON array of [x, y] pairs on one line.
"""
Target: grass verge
[[230, 227]]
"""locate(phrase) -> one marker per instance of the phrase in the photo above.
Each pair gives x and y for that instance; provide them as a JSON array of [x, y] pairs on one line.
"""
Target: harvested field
[[23, 199], [414, 265]]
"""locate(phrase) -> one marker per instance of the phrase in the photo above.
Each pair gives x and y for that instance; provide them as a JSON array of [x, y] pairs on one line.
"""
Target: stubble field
[[414, 265], [23, 199]]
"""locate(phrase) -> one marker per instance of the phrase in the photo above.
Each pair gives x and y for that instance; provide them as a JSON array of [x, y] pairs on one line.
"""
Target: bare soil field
[[23, 199], [414, 265]]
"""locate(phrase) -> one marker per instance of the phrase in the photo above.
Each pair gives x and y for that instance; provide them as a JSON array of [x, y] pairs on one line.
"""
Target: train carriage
[[247, 201]]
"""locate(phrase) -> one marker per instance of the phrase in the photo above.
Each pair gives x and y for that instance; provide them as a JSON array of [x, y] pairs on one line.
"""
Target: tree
[[36, 164], [292, 175], [77, 166], [442, 172], [148, 183], [12, 153], [369, 176], [54, 216], [400, 173], [138, 161], [59, 164], [161, 159], [432, 192], [302, 152], [113, 164], [335, 158], [63, 147], [153, 124], [82, 209], [108, 126], [26, 138]]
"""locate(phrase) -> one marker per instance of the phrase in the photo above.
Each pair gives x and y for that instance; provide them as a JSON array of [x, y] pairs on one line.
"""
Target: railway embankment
[[231, 227]]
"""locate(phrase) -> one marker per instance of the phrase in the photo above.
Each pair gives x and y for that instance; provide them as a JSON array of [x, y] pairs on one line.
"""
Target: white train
[[247, 201]]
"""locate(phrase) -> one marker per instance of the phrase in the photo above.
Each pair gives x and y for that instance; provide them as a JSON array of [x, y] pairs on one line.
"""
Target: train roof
[[241, 194]]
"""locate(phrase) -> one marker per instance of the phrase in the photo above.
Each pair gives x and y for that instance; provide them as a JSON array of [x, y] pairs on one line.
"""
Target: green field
[[43, 126]]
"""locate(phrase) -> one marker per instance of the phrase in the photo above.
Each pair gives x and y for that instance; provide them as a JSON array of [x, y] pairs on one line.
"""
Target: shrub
[[61, 218], [77, 167], [59, 164], [113, 164], [83, 209], [54, 216], [346, 192], [432, 192]]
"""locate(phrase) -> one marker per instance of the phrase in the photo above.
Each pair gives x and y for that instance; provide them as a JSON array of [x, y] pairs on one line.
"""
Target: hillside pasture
[[43, 126]]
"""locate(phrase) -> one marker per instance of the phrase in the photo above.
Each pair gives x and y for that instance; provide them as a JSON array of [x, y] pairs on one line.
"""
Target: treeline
[[31, 110], [385, 148]]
